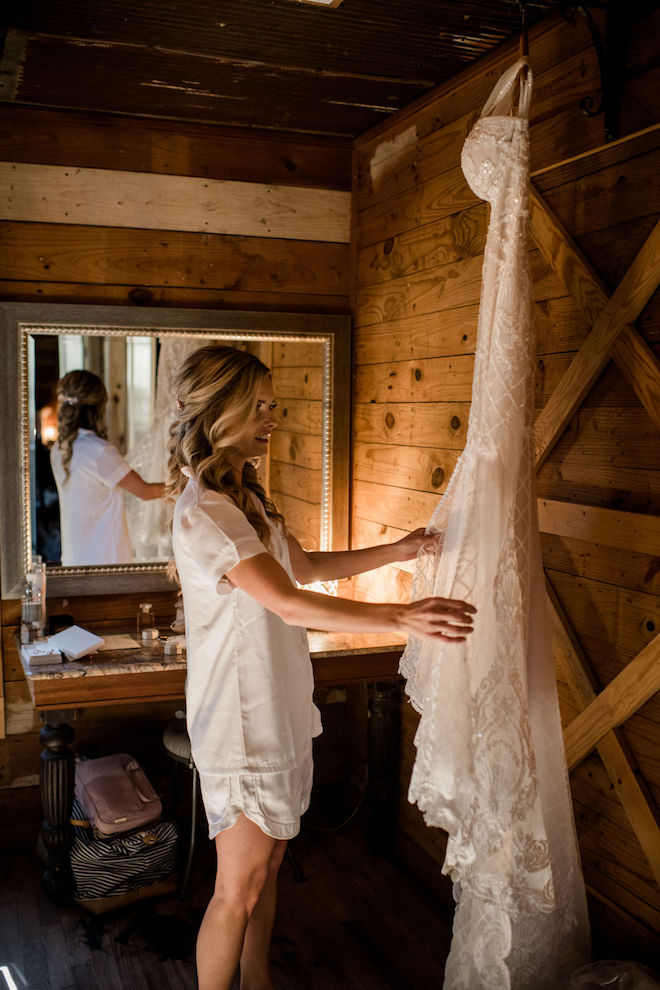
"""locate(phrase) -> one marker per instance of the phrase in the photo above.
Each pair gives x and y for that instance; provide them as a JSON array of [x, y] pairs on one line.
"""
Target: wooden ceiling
[[277, 64]]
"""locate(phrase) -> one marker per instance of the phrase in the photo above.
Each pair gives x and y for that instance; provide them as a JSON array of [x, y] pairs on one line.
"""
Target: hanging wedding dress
[[150, 522], [490, 766]]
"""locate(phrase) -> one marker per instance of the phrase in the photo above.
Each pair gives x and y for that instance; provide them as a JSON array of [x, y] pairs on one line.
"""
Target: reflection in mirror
[[115, 420]]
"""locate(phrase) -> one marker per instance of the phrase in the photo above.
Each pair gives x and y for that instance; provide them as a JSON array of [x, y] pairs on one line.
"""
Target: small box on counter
[[40, 654]]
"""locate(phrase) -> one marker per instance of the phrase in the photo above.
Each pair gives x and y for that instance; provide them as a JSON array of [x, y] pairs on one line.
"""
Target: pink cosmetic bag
[[116, 795]]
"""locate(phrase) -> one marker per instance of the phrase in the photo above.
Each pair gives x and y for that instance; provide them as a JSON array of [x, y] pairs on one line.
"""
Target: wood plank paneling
[[419, 380], [623, 436], [298, 383], [303, 518], [296, 448], [614, 529], [448, 287], [148, 201], [296, 455], [404, 508], [461, 235], [448, 378], [621, 621], [78, 254], [408, 160], [297, 481], [51, 137], [570, 478], [559, 323], [417, 468], [428, 424], [576, 168], [629, 568], [179, 297], [301, 416], [618, 194]]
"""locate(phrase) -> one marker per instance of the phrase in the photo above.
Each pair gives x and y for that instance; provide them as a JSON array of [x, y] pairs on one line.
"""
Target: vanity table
[[117, 677]]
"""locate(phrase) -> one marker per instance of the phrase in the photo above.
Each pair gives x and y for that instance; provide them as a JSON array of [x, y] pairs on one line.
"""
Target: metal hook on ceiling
[[611, 55]]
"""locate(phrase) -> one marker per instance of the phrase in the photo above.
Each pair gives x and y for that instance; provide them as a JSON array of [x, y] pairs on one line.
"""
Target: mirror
[[135, 353]]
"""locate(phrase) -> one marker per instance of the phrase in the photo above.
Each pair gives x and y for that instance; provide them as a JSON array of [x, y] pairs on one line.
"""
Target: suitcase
[[120, 852]]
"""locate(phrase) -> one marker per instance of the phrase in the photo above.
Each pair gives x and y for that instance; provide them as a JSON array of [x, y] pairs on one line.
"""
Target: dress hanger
[[524, 43]]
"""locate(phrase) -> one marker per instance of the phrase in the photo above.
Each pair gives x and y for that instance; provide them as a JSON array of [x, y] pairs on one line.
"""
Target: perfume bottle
[[36, 583], [146, 627], [39, 569], [30, 615]]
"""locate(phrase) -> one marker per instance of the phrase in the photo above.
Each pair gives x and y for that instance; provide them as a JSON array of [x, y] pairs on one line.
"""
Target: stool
[[177, 744]]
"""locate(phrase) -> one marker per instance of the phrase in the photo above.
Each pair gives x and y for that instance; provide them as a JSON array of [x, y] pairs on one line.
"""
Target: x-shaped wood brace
[[612, 335]]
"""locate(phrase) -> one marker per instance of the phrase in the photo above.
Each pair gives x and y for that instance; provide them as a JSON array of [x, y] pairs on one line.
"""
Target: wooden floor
[[355, 923]]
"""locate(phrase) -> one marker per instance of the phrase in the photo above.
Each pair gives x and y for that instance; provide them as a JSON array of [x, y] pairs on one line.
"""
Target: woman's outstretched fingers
[[455, 603], [440, 618]]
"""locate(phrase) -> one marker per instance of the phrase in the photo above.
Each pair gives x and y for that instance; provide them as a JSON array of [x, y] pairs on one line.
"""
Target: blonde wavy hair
[[81, 402], [217, 390]]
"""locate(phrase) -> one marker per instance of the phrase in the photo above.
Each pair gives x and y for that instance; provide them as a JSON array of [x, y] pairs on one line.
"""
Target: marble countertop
[[152, 657]]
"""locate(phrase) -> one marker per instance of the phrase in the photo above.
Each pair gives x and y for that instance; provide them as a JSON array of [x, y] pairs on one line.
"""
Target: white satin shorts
[[273, 801]]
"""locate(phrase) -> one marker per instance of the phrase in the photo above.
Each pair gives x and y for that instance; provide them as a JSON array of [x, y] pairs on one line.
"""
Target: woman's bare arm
[[264, 579], [145, 490], [309, 566]]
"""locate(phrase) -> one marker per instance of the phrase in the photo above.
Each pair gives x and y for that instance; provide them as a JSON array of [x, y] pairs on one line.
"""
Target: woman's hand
[[407, 547], [438, 618]]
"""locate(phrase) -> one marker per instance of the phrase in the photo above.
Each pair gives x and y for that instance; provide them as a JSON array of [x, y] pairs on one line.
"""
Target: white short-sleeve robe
[[92, 520], [249, 687]]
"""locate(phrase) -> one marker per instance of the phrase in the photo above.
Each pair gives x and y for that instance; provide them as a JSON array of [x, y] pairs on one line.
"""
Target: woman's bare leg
[[255, 957], [244, 856]]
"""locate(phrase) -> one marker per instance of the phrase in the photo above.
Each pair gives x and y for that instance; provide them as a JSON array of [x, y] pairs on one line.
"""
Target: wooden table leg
[[383, 734], [57, 777]]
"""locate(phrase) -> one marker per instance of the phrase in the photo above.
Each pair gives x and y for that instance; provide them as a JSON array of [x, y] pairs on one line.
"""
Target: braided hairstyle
[[216, 391], [81, 402]]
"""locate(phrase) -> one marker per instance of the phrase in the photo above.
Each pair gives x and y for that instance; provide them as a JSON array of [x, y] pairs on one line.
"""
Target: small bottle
[[146, 628], [39, 569], [30, 616]]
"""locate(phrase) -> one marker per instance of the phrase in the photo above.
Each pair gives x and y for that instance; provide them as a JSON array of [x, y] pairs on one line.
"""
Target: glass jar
[[146, 626]]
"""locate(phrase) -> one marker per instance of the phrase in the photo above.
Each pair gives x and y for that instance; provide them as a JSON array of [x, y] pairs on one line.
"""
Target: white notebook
[[75, 642]]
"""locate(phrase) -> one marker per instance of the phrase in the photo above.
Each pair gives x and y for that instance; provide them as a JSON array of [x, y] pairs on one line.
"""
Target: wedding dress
[[150, 522], [490, 766]]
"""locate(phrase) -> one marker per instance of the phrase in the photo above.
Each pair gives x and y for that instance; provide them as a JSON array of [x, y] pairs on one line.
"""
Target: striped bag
[[122, 865]]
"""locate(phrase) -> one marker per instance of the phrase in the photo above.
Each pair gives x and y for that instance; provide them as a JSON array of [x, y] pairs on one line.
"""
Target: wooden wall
[[420, 239], [169, 214], [111, 210], [296, 445]]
